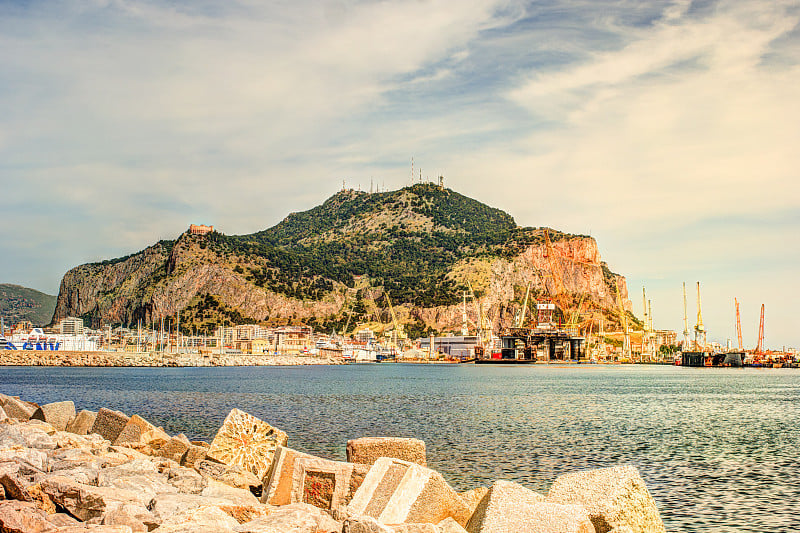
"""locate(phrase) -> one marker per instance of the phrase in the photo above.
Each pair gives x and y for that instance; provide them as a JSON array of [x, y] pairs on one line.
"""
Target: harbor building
[[70, 326], [455, 347]]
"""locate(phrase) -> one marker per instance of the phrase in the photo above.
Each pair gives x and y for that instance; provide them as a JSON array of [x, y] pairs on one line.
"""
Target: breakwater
[[153, 359], [62, 470]]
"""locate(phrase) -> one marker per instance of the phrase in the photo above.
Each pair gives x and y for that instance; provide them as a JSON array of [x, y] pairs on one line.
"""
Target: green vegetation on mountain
[[404, 241], [331, 267], [18, 304]]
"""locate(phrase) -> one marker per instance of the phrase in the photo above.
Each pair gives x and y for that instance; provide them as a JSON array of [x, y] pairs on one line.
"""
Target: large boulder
[[293, 518], [206, 518], [193, 455], [82, 423], [448, 525], [165, 505], [135, 516], [23, 517], [232, 475], [85, 501], [140, 431], [109, 424], [396, 492], [299, 477], [35, 460], [57, 414], [615, 497], [473, 497], [16, 408], [215, 489], [246, 441], [367, 450], [509, 506], [364, 524], [174, 448]]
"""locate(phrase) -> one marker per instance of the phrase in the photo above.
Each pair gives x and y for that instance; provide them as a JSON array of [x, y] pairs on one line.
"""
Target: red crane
[[738, 325], [760, 347]]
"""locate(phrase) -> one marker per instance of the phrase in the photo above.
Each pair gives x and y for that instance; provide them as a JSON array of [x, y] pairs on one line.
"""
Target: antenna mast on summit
[[412, 171]]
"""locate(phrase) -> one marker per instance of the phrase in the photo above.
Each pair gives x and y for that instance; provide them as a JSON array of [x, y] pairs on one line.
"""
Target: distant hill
[[21, 303], [333, 265]]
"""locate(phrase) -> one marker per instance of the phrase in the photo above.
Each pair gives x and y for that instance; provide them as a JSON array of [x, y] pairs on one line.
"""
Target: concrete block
[[473, 497], [397, 492], [509, 506], [367, 450], [296, 477], [232, 475], [614, 497], [140, 431], [415, 528], [82, 423], [364, 524], [57, 414], [18, 409], [193, 455], [292, 518], [246, 441], [109, 424], [174, 448], [448, 525]]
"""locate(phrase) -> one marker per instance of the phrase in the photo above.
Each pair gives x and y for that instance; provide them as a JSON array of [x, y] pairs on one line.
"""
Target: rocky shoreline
[[154, 359], [67, 471]]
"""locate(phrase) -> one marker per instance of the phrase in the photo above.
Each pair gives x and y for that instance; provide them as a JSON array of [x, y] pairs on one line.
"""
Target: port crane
[[626, 340], [760, 346], [398, 335], [699, 329], [520, 321], [738, 325], [685, 345]]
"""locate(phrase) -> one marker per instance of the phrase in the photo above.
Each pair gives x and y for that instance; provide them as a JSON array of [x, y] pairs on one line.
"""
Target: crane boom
[[699, 329], [524, 309], [626, 340], [738, 325], [685, 346], [760, 347]]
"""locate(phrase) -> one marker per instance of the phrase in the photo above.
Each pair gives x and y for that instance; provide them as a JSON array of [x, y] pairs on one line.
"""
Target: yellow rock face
[[245, 441]]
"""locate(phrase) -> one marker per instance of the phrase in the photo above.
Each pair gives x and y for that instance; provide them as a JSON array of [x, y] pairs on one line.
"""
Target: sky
[[669, 130]]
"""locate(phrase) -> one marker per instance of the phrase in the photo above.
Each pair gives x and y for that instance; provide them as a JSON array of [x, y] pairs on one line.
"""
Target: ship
[[38, 340]]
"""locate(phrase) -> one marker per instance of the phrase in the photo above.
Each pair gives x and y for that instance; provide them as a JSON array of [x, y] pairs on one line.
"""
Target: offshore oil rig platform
[[529, 345]]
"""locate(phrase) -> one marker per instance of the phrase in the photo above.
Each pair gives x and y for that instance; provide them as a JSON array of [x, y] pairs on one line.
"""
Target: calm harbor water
[[718, 448]]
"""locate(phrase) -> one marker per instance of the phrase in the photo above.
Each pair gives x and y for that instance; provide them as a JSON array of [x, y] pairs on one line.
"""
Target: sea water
[[718, 448]]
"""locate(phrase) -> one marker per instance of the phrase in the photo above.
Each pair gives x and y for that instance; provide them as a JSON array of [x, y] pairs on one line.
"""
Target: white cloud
[[136, 118]]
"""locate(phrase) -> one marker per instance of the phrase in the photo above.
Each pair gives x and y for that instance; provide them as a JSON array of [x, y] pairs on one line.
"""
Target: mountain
[[18, 304], [331, 266]]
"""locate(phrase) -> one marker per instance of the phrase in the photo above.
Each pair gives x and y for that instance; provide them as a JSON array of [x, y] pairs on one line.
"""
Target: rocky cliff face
[[163, 279], [286, 274], [574, 268]]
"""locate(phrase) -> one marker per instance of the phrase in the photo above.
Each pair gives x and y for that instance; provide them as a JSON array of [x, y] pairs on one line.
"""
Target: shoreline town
[[69, 343], [105, 471]]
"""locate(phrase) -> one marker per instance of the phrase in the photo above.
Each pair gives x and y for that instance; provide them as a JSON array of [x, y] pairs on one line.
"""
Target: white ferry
[[37, 339]]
